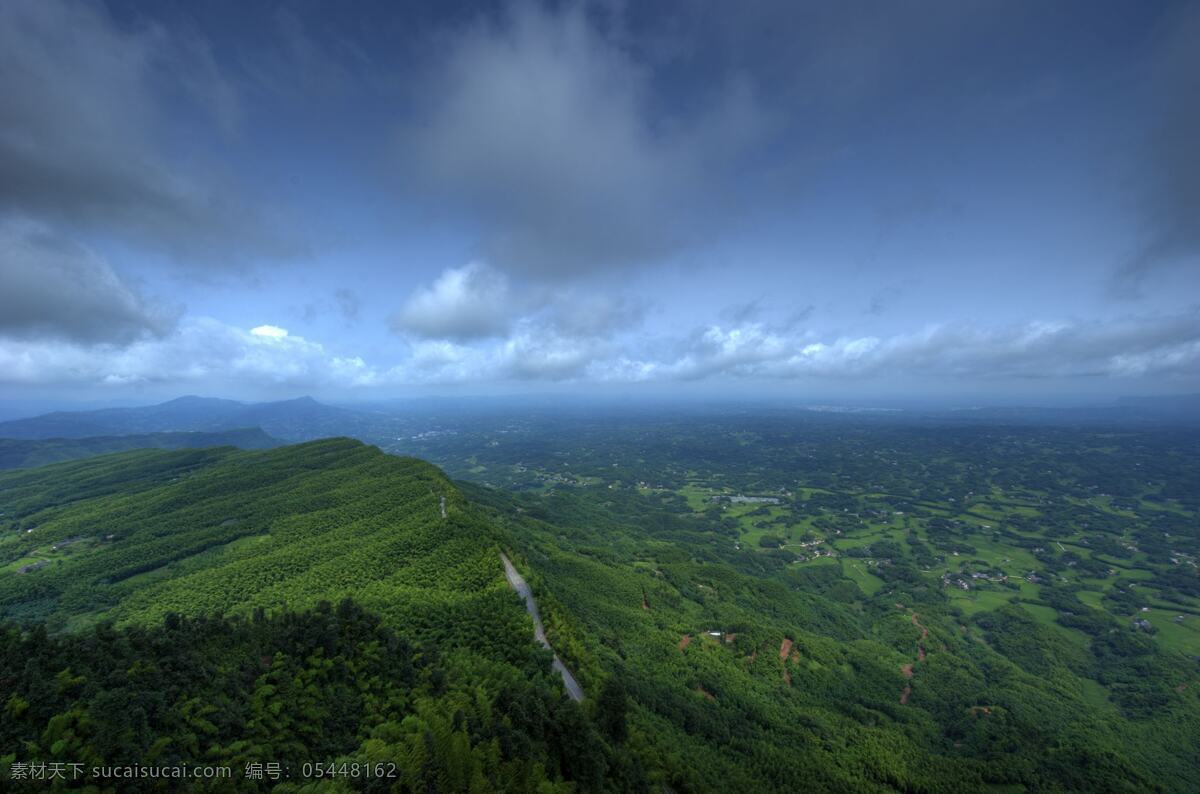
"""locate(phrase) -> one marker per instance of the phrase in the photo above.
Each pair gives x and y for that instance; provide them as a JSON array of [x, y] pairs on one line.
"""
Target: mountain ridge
[[26, 453], [298, 419]]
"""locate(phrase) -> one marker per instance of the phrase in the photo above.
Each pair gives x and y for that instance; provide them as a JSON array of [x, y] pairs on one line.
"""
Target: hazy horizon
[[22, 409]]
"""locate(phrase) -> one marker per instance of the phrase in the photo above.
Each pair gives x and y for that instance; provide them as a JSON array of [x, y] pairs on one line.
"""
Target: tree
[[611, 707]]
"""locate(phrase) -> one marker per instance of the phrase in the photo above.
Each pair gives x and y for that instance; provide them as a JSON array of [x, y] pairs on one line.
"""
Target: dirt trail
[[907, 669]]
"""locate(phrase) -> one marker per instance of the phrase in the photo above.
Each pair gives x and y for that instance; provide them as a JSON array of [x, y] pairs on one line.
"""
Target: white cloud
[[206, 351], [200, 350], [269, 331], [469, 302], [1035, 349]]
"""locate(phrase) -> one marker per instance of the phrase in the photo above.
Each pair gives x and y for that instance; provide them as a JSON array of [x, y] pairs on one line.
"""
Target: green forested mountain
[[208, 592], [18, 453], [218, 530], [187, 600]]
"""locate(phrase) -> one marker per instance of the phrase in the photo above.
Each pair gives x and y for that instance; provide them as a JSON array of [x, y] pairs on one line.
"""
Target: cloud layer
[[1170, 181], [545, 129], [615, 174], [57, 289], [207, 351], [83, 129]]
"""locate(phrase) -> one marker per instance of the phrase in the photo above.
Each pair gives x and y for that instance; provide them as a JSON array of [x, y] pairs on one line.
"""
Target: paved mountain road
[[519, 584]]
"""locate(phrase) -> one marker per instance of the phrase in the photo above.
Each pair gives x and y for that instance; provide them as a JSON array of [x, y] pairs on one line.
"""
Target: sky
[[982, 201]]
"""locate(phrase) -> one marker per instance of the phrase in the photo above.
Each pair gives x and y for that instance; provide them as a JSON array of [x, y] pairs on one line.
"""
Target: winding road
[[518, 583]]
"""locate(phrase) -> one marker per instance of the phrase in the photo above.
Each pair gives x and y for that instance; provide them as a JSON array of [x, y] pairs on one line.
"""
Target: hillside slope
[[176, 608], [25, 453], [136, 535]]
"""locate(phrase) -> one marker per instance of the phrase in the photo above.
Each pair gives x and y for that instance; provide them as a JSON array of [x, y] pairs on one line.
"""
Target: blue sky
[[984, 201]]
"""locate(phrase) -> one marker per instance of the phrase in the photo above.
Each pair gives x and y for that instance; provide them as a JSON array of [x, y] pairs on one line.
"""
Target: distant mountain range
[[305, 419], [301, 419], [18, 453], [1167, 403]]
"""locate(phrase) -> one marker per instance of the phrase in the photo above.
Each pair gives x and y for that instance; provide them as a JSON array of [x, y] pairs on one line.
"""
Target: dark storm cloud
[[1172, 169], [546, 131], [585, 137], [56, 289], [83, 101]]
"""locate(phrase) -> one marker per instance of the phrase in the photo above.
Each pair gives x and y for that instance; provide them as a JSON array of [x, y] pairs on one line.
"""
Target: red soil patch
[[899, 606], [976, 709], [907, 670], [645, 603], [730, 637], [708, 695], [904, 695], [683, 641], [920, 653], [915, 622], [785, 648]]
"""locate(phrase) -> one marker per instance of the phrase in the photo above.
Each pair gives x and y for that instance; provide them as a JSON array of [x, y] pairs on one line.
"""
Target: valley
[[755, 599]]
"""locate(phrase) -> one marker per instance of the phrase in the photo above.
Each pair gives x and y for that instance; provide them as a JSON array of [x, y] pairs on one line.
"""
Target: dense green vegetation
[[332, 686], [763, 602], [808, 677], [134, 536], [19, 453], [1054, 569], [195, 588]]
